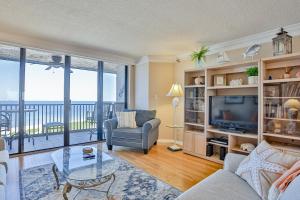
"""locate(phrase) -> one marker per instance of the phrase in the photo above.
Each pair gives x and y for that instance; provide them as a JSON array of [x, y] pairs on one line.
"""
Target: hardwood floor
[[175, 168]]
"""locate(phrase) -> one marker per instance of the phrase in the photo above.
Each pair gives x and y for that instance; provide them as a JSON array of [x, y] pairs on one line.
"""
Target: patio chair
[[91, 117], [5, 125]]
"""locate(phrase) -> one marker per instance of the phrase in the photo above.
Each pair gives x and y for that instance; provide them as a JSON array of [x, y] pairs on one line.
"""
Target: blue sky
[[42, 85]]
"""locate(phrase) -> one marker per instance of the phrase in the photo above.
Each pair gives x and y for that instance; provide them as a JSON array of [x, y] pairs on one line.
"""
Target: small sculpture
[[252, 51], [247, 147]]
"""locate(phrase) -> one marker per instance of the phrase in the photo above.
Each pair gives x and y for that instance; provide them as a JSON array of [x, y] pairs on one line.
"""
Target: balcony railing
[[38, 115]]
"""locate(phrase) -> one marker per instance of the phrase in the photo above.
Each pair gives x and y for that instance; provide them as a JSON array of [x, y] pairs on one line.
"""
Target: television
[[234, 113]]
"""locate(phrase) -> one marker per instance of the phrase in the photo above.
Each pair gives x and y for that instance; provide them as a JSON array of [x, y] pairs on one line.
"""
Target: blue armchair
[[143, 137]]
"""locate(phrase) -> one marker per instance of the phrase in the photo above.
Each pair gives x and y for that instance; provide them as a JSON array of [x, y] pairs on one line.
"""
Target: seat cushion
[[223, 185], [128, 133]]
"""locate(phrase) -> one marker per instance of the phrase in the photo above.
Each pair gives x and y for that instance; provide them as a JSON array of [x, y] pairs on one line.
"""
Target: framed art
[[220, 80]]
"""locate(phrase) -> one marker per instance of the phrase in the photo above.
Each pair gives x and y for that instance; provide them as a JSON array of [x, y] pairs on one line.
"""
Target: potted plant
[[252, 73], [199, 56]]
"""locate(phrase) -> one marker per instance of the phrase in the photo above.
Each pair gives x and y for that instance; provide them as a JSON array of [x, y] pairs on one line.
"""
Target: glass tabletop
[[71, 164]]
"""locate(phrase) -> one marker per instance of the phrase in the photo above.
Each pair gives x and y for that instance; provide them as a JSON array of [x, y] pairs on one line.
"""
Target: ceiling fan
[[56, 63]]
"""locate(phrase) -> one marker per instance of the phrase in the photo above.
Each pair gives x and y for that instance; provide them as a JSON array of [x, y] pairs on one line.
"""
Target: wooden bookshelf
[[276, 92], [197, 131]]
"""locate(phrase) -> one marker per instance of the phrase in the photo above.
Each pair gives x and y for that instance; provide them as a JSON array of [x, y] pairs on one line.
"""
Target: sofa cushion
[[2, 175], [126, 119], [2, 192], [4, 156], [292, 191], [223, 185], [142, 116], [128, 133], [263, 166]]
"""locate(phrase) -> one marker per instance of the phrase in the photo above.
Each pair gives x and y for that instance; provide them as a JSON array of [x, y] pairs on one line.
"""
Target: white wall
[[142, 85]]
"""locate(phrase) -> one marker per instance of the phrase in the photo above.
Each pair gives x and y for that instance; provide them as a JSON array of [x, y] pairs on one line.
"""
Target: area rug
[[131, 183]]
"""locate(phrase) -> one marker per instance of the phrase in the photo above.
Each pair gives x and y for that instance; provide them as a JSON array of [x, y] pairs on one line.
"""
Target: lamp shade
[[175, 91]]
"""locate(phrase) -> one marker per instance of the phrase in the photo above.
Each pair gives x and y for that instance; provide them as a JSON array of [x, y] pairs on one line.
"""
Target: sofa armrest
[[232, 161], [151, 124], [109, 126], [2, 144]]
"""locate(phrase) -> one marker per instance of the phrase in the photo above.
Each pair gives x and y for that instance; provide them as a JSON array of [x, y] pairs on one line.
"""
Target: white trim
[[63, 48], [259, 38], [156, 59], [169, 141]]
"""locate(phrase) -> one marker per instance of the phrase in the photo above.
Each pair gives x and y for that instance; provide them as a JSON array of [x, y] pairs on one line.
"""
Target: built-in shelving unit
[[194, 114], [281, 102], [278, 121]]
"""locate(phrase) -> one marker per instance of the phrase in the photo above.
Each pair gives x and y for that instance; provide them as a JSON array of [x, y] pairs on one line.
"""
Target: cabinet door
[[200, 144], [188, 144]]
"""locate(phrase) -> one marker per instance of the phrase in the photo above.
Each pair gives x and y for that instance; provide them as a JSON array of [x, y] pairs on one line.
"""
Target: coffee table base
[[83, 185]]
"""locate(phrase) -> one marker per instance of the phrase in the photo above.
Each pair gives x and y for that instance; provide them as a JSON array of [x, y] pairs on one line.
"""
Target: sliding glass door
[[50, 100], [44, 95], [9, 96], [83, 94], [114, 89]]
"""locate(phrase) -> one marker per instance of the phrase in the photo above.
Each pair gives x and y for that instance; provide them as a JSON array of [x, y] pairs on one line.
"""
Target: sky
[[47, 85]]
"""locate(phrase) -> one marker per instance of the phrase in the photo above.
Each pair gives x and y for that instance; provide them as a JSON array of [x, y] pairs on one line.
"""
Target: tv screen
[[236, 113]]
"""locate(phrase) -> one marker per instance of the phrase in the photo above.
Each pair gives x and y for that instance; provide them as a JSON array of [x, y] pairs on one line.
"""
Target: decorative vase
[[252, 80], [200, 63], [199, 80]]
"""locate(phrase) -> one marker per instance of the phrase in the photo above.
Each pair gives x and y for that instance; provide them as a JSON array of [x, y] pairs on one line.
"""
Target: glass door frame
[[67, 101]]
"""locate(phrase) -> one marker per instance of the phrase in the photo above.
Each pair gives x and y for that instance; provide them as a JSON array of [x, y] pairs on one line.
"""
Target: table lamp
[[175, 92]]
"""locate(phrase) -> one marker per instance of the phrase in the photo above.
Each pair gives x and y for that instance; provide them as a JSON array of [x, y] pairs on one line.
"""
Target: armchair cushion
[[128, 133], [142, 116]]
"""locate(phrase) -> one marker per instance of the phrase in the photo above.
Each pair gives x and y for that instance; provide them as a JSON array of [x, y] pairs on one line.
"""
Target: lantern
[[282, 44]]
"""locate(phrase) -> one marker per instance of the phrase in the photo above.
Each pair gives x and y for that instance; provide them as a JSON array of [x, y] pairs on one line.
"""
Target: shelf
[[286, 147], [197, 97], [194, 124], [197, 111], [218, 144], [282, 80], [215, 158], [245, 135], [194, 86], [292, 137], [281, 97], [282, 119], [194, 131], [237, 149], [232, 87]]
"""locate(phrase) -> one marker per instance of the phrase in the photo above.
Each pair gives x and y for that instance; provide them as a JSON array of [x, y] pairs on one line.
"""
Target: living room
[[150, 99]]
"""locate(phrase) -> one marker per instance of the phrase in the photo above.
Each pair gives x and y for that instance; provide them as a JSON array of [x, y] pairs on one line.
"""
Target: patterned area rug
[[131, 183]]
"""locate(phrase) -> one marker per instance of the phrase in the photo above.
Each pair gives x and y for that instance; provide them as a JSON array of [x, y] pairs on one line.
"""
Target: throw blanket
[[283, 182]]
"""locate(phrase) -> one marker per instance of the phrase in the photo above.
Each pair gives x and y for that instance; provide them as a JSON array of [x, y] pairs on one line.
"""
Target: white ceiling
[[134, 28]]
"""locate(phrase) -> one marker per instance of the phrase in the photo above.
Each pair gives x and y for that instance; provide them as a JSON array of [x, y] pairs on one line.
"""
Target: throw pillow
[[126, 119], [263, 166], [283, 182]]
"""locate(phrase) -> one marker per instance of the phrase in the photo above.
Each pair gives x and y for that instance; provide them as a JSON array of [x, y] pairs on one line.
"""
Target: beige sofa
[[4, 156], [226, 185]]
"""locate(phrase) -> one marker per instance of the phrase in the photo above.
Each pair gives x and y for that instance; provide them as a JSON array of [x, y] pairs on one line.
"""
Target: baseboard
[[168, 141]]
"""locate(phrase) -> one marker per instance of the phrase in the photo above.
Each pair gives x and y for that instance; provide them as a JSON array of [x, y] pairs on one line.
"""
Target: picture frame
[[234, 100], [220, 80]]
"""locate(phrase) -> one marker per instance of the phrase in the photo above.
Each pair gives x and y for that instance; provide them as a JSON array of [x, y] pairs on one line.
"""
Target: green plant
[[252, 71], [199, 55]]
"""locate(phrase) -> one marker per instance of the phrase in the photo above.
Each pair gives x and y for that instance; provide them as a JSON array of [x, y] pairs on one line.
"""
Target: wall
[[234, 55], [161, 76], [142, 85]]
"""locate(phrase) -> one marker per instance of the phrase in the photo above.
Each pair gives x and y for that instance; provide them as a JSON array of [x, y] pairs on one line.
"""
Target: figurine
[[247, 147]]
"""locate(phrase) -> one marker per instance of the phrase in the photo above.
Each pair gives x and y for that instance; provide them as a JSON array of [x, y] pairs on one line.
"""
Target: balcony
[[44, 123]]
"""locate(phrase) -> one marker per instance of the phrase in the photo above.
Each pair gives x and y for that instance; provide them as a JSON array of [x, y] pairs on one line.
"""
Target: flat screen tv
[[234, 113]]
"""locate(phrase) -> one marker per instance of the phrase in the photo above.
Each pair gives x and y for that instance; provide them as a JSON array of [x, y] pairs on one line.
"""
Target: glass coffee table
[[83, 174]]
